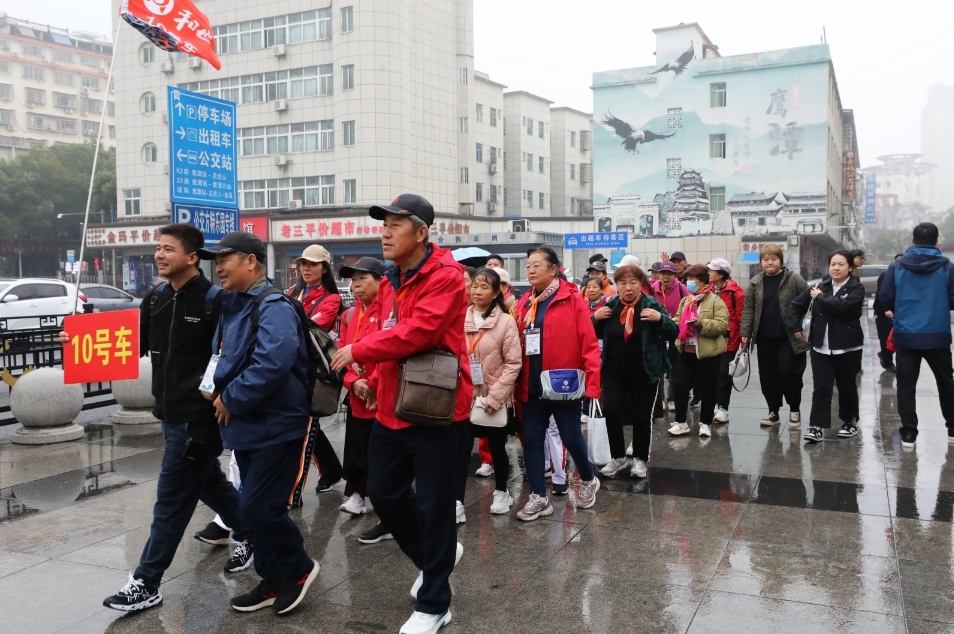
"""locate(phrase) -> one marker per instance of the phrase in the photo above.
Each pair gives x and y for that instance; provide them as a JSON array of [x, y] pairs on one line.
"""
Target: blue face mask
[[692, 285]]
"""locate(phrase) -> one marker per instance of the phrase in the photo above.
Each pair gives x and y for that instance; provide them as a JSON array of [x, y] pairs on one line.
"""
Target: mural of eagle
[[680, 64], [632, 138]]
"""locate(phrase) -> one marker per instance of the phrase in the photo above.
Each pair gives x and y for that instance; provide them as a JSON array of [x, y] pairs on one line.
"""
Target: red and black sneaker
[[291, 593], [262, 596]]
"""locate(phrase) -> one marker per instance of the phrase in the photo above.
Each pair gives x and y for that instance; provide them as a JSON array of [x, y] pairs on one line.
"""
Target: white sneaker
[[485, 471], [639, 469], [704, 430], [679, 429], [721, 415], [420, 576], [584, 418], [629, 450], [461, 517], [422, 623], [354, 505], [671, 406], [794, 420], [502, 503], [614, 466]]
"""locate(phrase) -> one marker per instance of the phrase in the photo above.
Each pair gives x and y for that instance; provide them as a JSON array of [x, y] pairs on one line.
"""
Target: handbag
[[563, 385], [427, 388], [597, 439], [740, 364], [479, 416], [807, 320]]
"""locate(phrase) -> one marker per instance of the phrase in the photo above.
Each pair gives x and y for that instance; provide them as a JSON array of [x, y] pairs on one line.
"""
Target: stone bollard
[[135, 395], [46, 408]]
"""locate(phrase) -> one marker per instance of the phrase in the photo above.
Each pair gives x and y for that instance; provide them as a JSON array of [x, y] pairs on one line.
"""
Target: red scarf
[[530, 317], [627, 316]]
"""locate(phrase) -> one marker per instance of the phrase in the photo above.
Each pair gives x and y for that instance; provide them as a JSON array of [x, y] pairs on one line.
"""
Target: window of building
[[148, 103], [529, 162], [572, 139], [462, 125], [35, 122], [573, 206], [91, 82], [31, 49], [347, 77], [540, 129], [674, 117], [91, 128], [276, 85], [147, 54], [461, 75], [111, 108], [572, 171], [328, 182], [479, 193], [326, 79], [717, 95], [530, 199], [741, 222], [350, 190], [92, 105], [62, 78], [226, 38], [6, 117], [324, 32], [89, 60], [717, 146], [327, 130], [762, 222], [275, 30], [302, 27], [61, 100], [132, 201], [480, 152], [67, 126], [6, 92], [716, 198], [348, 133], [541, 162], [62, 56], [304, 82], [150, 154], [541, 201], [347, 26], [251, 35], [673, 168], [530, 127], [493, 117], [112, 132], [33, 72], [35, 97], [480, 113], [4, 68]]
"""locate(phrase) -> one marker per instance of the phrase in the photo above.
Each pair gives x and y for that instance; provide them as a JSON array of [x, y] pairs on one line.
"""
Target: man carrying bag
[[419, 350]]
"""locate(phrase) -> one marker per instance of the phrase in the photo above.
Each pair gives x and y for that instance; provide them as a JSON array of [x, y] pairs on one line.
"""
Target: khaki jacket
[[714, 321]]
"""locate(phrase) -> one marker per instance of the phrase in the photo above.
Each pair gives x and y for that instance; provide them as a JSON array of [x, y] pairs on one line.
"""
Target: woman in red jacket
[[559, 352], [732, 295]]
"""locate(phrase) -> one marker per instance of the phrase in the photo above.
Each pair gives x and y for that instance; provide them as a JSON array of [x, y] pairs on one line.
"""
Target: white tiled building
[[527, 155], [340, 106], [52, 86], [571, 173], [486, 174]]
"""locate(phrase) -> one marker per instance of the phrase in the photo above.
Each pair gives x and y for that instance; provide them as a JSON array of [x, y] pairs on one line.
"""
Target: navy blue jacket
[[919, 289], [263, 385]]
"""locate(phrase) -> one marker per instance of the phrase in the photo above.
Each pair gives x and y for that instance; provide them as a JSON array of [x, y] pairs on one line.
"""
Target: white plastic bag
[[597, 440]]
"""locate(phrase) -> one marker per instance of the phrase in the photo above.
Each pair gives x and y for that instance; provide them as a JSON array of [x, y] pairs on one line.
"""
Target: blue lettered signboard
[[614, 239], [213, 222], [202, 150], [871, 188]]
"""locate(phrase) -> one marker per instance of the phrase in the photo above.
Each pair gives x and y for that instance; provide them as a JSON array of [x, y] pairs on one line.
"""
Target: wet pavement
[[749, 531]]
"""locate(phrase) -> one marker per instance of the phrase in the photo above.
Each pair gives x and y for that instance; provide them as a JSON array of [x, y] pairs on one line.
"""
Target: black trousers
[[829, 370], [703, 374], [421, 518], [780, 372], [635, 390], [909, 369], [883, 324], [325, 458], [724, 387], [269, 476], [357, 439], [673, 353], [497, 438]]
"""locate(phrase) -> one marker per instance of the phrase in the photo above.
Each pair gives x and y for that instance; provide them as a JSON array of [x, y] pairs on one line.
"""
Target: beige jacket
[[499, 353]]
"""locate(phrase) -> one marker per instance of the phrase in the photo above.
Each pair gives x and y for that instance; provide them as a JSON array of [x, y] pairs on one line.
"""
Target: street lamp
[[102, 215]]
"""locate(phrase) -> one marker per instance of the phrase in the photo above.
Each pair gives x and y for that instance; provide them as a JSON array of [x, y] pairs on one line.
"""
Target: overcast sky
[[886, 52]]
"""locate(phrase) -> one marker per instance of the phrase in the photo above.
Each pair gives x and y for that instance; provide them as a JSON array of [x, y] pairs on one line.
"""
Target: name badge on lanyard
[[476, 370], [208, 385], [532, 340]]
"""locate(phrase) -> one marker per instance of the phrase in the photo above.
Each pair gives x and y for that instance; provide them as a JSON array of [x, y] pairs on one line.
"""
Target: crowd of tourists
[[435, 355]]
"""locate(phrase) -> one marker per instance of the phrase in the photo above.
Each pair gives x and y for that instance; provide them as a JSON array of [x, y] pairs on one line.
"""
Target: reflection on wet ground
[[749, 531]]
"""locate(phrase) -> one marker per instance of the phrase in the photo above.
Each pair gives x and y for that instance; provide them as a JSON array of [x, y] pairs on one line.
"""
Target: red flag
[[173, 25]]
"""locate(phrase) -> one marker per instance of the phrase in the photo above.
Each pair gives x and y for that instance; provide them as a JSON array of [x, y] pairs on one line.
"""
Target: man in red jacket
[[422, 308]]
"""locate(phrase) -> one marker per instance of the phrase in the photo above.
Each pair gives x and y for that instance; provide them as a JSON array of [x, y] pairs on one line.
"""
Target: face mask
[[692, 285]]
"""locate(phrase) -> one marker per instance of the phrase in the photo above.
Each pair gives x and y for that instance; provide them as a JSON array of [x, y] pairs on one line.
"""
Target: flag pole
[[92, 176]]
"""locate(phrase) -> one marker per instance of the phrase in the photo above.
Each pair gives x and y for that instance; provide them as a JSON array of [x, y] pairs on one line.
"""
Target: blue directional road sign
[[614, 239], [213, 222], [202, 150]]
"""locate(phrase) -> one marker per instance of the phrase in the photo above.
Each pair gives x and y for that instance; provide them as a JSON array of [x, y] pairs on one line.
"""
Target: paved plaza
[[749, 531]]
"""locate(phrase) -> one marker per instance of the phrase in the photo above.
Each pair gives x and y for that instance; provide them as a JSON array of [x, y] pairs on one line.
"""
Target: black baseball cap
[[655, 266], [598, 258], [678, 255], [406, 205], [235, 241], [366, 264]]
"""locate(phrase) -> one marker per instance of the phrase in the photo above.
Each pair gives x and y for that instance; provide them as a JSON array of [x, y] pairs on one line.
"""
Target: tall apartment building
[[571, 173], [526, 155], [485, 174], [900, 192], [52, 86], [937, 146]]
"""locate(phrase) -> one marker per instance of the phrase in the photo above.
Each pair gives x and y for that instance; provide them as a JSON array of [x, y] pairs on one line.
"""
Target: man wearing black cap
[[422, 308], [679, 259], [259, 379]]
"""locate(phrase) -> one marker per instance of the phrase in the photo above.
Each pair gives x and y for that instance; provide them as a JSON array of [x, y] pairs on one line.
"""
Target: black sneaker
[[134, 596], [241, 557], [215, 535], [847, 431], [560, 489], [378, 533], [261, 597], [908, 440], [814, 434], [291, 592], [770, 420], [324, 486]]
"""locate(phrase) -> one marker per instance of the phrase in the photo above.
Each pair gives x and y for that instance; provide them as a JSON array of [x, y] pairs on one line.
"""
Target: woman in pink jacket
[[493, 344]]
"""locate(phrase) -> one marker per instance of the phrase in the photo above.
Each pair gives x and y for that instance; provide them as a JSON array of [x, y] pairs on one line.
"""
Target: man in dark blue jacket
[[919, 290], [261, 403]]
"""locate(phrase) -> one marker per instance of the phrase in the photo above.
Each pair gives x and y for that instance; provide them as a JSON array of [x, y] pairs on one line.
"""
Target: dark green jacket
[[791, 287], [655, 334]]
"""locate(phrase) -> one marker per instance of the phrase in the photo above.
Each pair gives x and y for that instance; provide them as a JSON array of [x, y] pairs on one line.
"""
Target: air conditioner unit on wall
[[278, 50], [493, 168], [195, 63], [281, 161], [294, 204], [518, 226], [281, 105], [492, 207], [85, 90], [167, 67]]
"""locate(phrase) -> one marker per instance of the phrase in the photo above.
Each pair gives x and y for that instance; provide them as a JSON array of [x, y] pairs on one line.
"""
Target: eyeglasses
[[536, 267]]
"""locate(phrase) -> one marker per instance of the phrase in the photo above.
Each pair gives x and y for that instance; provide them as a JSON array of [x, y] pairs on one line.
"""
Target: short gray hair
[[261, 265], [417, 223]]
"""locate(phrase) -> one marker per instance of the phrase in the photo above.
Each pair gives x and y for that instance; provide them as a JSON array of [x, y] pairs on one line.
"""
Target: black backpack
[[324, 384]]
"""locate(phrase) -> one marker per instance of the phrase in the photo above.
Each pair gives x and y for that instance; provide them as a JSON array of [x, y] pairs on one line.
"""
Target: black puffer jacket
[[176, 329], [840, 314]]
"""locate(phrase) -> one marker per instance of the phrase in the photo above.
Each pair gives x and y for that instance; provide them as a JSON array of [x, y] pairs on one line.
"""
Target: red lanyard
[[473, 344]]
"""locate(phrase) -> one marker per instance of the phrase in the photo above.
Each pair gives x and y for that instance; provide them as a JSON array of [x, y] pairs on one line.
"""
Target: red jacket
[[356, 324], [325, 313], [569, 339], [733, 297], [430, 316]]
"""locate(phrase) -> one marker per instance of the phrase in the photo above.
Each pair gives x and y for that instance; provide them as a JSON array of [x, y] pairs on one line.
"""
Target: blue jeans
[[536, 419], [182, 483]]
